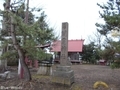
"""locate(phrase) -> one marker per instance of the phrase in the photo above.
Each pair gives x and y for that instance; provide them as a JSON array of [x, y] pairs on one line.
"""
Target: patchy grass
[[75, 87]]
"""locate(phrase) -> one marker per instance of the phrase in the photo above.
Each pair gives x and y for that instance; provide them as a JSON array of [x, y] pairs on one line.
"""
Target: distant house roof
[[73, 46]]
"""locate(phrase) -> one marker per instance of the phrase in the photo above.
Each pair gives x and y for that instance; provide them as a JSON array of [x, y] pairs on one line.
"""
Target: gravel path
[[87, 75]]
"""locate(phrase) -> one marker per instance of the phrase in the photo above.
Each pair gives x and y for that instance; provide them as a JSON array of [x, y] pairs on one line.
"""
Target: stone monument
[[63, 73]]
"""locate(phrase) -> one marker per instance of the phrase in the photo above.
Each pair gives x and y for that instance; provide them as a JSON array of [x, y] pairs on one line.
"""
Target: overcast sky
[[80, 14]]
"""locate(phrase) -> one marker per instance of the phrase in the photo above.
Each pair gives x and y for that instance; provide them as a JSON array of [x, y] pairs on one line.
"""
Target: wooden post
[[20, 71], [36, 63]]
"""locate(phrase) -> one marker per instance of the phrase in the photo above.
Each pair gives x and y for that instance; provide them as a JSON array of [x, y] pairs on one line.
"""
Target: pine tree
[[25, 36], [111, 16]]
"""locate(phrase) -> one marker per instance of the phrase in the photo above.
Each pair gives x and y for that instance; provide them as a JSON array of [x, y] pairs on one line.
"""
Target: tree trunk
[[20, 52], [27, 74], [23, 64]]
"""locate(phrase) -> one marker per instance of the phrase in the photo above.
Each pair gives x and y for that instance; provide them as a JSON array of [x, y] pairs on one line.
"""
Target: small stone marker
[[63, 73]]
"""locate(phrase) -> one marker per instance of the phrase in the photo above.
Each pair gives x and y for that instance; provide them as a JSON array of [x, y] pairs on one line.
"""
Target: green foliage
[[8, 51], [8, 55], [115, 65], [29, 35], [108, 53], [111, 16], [90, 53]]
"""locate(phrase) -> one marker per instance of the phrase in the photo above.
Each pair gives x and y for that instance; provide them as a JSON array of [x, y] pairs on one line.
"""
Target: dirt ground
[[85, 77]]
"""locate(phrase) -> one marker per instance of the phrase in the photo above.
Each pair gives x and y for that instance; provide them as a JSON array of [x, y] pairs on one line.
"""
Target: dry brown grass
[[85, 77]]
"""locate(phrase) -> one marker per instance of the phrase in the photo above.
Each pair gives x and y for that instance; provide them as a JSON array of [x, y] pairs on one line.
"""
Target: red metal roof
[[73, 46]]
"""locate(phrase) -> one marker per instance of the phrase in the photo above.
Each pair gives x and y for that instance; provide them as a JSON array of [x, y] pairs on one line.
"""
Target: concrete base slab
[[63, 75]]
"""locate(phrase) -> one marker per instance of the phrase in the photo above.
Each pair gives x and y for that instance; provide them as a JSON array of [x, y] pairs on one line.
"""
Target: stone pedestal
[[63, 75], [44, 70]]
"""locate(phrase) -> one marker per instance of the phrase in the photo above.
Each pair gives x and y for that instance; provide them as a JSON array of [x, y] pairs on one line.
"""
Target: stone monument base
[[43, 70], [63, 75]]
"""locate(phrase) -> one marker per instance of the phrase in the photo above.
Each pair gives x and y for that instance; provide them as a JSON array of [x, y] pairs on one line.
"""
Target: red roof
[[73, 46]]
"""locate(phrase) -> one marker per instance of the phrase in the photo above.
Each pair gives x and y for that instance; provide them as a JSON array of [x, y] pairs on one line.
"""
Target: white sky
[[80, 14]]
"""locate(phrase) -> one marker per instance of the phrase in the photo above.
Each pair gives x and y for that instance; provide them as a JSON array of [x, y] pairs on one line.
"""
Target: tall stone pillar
[[64, 45], [63, 73]]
